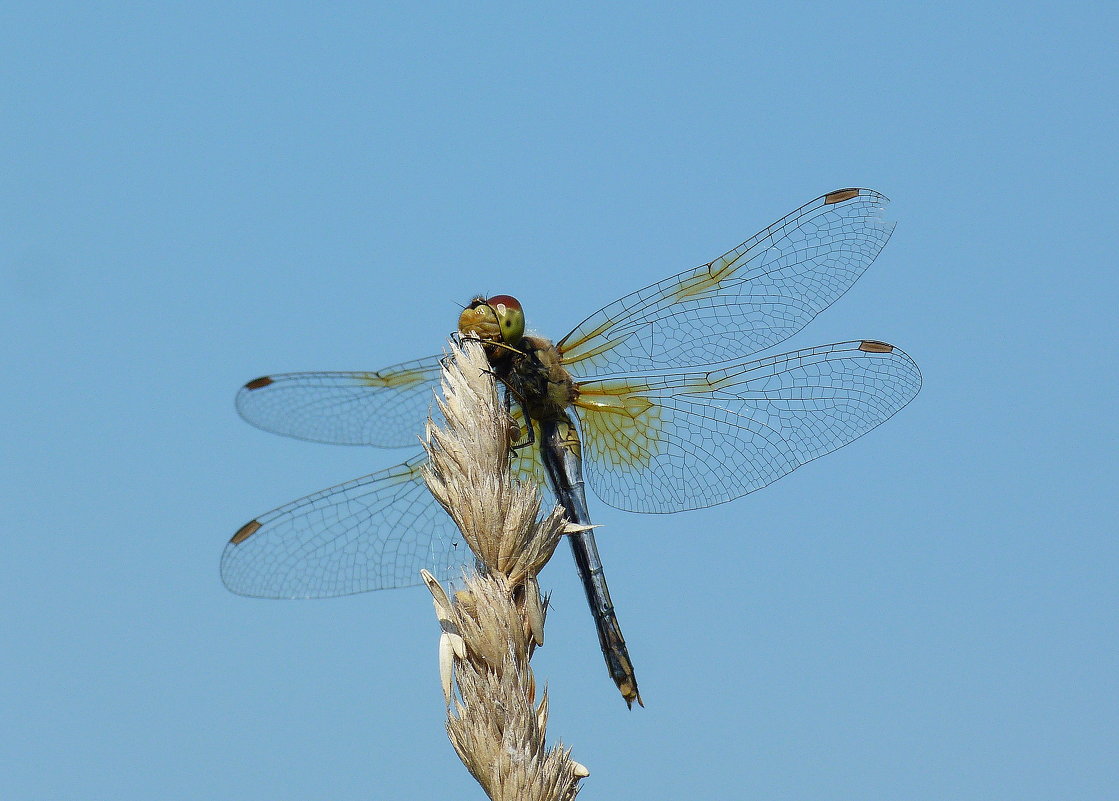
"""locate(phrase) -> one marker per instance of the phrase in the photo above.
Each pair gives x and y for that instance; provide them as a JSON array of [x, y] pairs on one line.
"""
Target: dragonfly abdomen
[[560, 453]]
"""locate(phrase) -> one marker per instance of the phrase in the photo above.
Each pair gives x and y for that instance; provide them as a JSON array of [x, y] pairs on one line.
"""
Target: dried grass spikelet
[[491, 628]]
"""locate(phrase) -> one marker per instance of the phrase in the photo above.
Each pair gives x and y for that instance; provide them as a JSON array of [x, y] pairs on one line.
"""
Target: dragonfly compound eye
[[510, 318]]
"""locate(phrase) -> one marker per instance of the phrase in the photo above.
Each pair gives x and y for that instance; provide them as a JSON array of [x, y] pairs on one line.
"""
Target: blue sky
[[194, 195]]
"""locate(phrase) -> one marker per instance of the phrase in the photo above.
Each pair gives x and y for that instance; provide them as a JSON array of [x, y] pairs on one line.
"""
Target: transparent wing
[[747, 300], [526, 460], [372, 533], [688, 440], [385, 408]]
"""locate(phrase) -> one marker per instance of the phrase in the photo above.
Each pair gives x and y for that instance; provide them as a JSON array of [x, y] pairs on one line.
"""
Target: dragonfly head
[[496, 319]]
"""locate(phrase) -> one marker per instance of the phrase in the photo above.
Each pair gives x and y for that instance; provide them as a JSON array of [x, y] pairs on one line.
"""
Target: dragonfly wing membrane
[[747, 300], [385, 408], [372, 533], [527, 466], [689, 440]]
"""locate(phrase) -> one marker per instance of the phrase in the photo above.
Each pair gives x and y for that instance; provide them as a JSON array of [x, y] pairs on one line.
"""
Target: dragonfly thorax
[[537, 379]]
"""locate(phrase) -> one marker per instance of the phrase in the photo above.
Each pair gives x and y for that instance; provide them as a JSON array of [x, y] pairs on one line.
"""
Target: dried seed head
[[534, 610], [490, 629], [446, 666]]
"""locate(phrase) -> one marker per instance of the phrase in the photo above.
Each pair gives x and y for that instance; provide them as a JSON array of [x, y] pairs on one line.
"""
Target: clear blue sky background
[[194, 195]]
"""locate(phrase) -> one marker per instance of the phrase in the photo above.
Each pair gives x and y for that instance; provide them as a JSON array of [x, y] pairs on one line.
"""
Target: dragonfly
[[661, 401]]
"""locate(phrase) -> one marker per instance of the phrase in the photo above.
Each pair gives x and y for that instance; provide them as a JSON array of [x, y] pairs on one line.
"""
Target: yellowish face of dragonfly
[[499, 319]]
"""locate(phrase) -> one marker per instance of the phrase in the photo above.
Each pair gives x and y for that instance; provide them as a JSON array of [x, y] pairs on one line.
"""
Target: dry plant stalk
[[491, 628]]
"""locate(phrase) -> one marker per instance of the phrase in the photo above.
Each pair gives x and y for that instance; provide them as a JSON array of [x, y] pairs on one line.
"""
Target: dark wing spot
[[245, 532], [873, 346], [839, 195], [258, 383]]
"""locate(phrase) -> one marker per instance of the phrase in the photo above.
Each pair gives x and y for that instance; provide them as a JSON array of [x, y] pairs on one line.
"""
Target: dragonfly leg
[[530, 433]]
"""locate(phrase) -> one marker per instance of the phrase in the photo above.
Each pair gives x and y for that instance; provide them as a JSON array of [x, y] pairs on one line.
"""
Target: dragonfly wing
[[527, 466], [372, 533], [751, 298], [385, 408], [689, 440]]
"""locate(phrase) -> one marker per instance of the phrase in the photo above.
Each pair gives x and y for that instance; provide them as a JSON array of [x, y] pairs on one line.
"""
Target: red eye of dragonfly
[[508, 301]]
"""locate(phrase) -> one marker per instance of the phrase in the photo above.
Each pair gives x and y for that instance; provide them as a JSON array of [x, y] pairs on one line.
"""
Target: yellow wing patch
[[577, 350], [526, 459], [620, 423], [572, 355], [396, 379], [709, 281]]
